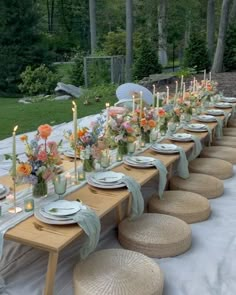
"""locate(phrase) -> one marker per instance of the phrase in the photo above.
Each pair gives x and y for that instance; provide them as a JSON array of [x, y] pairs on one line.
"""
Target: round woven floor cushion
[[155, 235], [229, 131], [220, 152], [205, 185], [210, 166], [117, 272], [188, 206], [232, 123], [226, 141]]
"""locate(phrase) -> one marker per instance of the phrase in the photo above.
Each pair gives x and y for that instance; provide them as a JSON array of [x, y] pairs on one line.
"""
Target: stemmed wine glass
[[60, 184]]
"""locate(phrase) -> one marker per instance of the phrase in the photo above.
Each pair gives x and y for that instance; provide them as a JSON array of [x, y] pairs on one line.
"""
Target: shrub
[[230, 49], [77, 72], [196, 55], [37, 81], [114, 43], [146, 62]]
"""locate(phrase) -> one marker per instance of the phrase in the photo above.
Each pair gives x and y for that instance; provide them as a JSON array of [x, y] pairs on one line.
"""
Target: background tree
[[162, 34], [220, 48], [20, 42], [210, 28], [129, 40], [93, 29]]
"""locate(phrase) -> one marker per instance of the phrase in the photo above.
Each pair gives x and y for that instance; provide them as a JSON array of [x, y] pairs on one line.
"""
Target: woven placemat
[[188, 206], [211, 166], [205, 185], [155, 235], [220, 152], [117, 272]]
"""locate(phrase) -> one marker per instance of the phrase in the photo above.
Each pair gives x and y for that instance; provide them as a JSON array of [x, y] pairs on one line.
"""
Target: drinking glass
[[105, 160], [60, 184]]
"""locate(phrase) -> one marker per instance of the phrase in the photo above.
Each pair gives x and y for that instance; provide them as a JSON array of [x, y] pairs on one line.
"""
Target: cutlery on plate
[[43, 228], [55, 210]]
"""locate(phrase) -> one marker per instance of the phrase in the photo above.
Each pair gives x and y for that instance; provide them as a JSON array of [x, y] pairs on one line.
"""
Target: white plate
[[196, 126], [165, 148], [70, 154], [53, 217], [107, 177], [64, 207], [223, 105], [51, 221], [134, 161], [215, 112], [4, 192], [206, 118], [104, 185], [228, 99], [181, 137]]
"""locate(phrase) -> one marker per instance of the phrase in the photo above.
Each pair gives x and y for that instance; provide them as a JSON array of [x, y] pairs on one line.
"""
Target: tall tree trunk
[[233, 13], [217, 66], [50, 13], [92, 18], [210, 28], [187, 33], [162, 37], [129, 40]]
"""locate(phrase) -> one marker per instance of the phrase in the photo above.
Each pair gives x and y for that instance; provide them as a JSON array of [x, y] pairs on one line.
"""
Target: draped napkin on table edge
[[88, 220], [182, 168], [162, 176], [209, 133], [219, 130], [197, 148], [137, 198]]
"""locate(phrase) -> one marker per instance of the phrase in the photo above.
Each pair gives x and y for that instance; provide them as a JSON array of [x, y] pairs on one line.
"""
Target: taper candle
[[183, 90], [141, 104], [209, 76], [153, 94], [204, 76], [133, 100], [14, 151], [167, 94]]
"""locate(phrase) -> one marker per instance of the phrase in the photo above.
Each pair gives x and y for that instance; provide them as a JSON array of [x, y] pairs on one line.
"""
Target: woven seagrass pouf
[[229, 131], [210, 166], [117, 272], [188, 206], [226, 141], [205, 185], [232, 123], [155, 235], [220, 152]]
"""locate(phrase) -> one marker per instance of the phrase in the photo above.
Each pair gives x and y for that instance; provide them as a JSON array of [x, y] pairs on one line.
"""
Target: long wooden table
[[103, 201]]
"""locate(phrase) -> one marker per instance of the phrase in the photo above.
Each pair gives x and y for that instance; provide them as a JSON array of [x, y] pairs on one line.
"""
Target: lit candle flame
[[107, 105], [15, 128], [74, 104]]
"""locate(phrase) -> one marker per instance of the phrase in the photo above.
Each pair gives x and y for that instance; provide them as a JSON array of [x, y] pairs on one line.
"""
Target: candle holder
[[81, 174], [29, 205], [14, 209]]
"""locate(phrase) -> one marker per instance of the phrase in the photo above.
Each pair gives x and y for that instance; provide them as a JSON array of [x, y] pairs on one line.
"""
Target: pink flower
[[42, 156], [48, 175], [52, 146], [113, 111]]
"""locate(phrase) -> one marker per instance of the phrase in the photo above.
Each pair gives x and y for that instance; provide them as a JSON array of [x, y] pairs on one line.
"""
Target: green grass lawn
[[29, 116]]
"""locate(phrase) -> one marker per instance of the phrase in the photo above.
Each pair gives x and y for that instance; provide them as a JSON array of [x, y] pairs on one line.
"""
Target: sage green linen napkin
[[182, 168], [197, 148], [162, 176], [137, 200], [88, 220]]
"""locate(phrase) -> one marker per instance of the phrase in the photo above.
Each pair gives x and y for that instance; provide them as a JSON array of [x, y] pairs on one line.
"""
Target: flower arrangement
[[207, 89], [42, 158]]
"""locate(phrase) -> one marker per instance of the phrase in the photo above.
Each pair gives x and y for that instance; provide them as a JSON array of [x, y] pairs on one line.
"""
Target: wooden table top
[[103, 202]]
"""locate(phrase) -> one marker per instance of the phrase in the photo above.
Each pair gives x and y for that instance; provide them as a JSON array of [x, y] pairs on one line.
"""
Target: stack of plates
[[165, 148], [70, 154], [139, 161], [195, 127], [206, 118], [4, 191], [181, 137], [228, 99], [107, 179], [215, 112], [59, 212], [223, 105]]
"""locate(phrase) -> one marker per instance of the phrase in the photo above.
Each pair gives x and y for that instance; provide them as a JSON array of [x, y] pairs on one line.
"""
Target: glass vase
[[122, 148], [88, 165], [40, 189], [146, 137]]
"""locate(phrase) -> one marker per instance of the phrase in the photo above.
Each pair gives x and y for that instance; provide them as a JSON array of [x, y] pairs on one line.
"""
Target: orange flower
[[81, 132], [24, 137], [161, 113], [177, 111], [143, 122], [45, 131], [152, 123], [23, 169]]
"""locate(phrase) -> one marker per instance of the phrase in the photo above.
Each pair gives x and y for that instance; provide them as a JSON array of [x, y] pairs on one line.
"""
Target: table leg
[[51, 271]]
